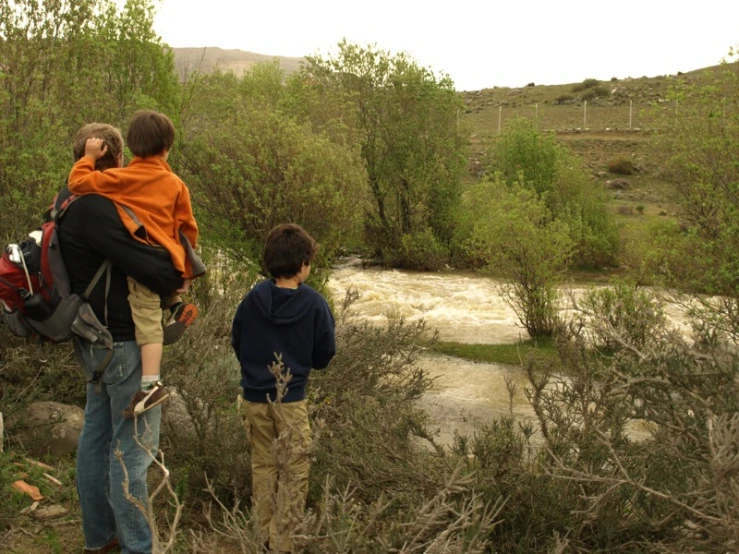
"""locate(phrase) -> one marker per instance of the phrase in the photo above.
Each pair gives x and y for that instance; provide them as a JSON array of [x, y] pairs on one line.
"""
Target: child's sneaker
[[183, 315], [143, 401]]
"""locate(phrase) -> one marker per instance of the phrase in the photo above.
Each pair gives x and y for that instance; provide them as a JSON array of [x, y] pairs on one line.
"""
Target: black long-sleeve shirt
[[89, 233]]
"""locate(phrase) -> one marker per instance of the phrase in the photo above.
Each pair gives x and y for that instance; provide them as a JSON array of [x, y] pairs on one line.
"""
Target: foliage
[[622, 314], [522, 154], [622, 166], [698, 149], [643, 434], [252, 167], [586, 84], [411, 142], [564, 99], [421, 250], [595, 93], [514, 233], [203, 434], [66, 64]]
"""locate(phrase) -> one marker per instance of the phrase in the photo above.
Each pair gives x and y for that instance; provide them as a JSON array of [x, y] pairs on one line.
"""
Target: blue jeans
[[105, 511]]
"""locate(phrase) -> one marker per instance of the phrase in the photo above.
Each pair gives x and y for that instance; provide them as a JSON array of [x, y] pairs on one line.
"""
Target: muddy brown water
[[465, 308]]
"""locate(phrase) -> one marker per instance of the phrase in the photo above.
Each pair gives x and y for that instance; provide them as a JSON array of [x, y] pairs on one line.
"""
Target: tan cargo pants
[[280, 439]]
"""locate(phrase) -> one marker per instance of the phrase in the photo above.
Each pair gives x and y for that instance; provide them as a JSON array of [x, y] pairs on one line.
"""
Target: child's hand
[[185, 286], [95, 148]]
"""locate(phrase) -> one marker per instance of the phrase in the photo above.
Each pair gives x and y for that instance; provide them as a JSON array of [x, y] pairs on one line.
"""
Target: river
[[463, 307]]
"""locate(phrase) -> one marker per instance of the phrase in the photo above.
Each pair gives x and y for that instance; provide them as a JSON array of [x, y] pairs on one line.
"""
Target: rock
[[618, 184], [50, 512], [663, 212], [50, 428]]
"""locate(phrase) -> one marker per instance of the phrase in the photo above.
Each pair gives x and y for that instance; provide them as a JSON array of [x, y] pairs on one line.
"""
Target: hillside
[[209, 58]]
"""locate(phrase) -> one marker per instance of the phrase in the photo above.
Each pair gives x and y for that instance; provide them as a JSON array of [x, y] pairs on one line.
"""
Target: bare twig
[[159, 545]]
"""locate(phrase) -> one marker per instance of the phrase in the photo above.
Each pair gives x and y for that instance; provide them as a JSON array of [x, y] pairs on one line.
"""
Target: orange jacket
[[153, 202]]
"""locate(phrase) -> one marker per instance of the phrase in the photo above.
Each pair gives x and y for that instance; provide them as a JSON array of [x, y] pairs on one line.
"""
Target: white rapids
[[462, 307]]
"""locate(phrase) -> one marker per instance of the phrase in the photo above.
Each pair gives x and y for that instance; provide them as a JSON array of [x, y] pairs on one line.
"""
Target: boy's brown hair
[[112, 138], [287, 248], [150, 133]]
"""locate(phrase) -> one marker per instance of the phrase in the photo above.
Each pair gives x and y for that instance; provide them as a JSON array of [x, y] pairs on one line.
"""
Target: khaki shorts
[[146, 310]]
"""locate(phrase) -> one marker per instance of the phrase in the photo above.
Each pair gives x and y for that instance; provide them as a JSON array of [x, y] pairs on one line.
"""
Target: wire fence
[[584, 116]]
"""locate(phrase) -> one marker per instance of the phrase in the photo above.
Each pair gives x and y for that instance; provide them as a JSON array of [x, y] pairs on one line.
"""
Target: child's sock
[[148, 381]]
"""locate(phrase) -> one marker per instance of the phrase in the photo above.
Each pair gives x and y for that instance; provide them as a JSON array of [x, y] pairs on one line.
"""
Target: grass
[[541, 350]]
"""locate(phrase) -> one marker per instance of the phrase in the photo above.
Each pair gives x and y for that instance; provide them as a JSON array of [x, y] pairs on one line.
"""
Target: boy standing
[[281, 316], [154, 205]]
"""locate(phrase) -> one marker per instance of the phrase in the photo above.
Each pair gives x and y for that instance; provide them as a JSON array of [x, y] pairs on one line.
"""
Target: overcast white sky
[[479, 43]]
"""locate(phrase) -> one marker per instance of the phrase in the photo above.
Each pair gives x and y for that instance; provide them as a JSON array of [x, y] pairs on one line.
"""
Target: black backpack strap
[[106, 267]]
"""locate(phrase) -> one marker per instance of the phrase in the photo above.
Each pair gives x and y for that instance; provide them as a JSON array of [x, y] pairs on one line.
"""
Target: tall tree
[[252, 166], [411, 142], [64, 63]]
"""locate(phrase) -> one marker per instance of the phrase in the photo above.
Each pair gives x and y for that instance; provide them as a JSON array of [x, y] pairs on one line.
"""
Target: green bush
[[515, 234], [622, 166], [623, 314], [586, 84], [252, 167], [564, 99], [595, 93], [421, 250], [203, 435], [523, 155]]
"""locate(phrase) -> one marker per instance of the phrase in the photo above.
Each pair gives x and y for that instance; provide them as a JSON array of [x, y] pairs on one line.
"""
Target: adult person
[[112, 448]]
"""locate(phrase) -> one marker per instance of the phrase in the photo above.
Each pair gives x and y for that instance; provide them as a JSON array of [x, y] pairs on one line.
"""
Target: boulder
[[49, 428]]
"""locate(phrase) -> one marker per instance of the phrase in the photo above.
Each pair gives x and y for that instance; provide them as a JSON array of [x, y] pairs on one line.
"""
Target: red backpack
[[35, 291]]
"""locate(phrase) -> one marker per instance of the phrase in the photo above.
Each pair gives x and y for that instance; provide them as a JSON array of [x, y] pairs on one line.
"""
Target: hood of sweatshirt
[[282, 306]]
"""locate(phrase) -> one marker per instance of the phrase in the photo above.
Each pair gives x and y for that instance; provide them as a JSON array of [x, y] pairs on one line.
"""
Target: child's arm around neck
[[83, 179]]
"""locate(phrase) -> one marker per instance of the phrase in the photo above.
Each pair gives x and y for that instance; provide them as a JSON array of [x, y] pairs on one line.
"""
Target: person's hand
[[185, 285], [95, 148]]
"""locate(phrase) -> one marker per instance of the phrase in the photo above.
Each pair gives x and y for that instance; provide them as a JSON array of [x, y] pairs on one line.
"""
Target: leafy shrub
[[251, 167], [622, 166], [421, 250], [515, 234], [564, 99], [594, 93], [523, 155], [586, 84], [623, 315], [685, 395], [203, 435]]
